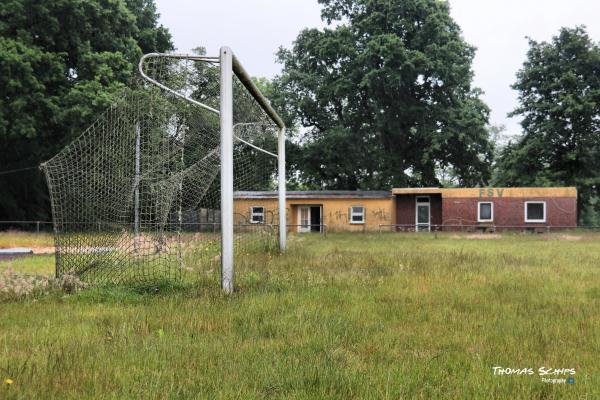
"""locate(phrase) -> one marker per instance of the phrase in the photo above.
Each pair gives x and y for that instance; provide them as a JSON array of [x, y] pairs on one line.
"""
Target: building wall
[[406, 208], [492, 192], [459, 206], [241, 210], [510, 211], [335, 212], [436, 209], [450, 207]]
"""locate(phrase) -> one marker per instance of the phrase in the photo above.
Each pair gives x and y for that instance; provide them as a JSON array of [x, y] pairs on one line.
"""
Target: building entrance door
[[303, 219], [423, 214], [309, 219]]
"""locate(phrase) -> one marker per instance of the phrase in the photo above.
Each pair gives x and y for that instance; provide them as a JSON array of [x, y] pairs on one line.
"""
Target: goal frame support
[[230, 65], [281, 188], [226, 122]]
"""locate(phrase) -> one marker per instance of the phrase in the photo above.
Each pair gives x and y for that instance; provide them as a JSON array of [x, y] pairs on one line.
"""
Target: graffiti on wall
[[271, 217], [381, 215], [338, 216]]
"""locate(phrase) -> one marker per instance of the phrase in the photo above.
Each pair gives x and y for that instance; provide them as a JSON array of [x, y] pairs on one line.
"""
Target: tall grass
[[346, 316], [10, 239]]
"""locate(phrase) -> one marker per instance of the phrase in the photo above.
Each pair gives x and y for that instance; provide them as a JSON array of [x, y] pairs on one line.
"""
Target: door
[[304, 219], [423, 214], [315, 219]]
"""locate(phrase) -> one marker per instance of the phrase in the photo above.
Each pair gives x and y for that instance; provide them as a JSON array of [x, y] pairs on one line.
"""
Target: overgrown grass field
[[346, 316]]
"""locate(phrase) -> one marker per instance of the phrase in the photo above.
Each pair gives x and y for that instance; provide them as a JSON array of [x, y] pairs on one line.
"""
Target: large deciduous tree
[[559, 96], [61, 63], [383, 97]]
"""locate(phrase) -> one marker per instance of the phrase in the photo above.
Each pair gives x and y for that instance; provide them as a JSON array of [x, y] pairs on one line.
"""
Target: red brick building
[[485, 208]]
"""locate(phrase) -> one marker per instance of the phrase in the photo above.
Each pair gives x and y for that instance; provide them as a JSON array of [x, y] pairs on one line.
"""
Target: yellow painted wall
[[335, 212], [241, 210]]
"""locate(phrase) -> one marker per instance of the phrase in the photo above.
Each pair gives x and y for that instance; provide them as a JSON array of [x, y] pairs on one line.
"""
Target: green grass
[[25, 239], [38, 264], [345, 316]]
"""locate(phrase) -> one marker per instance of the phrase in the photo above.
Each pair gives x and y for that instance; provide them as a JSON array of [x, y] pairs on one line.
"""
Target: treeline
[[62, 62], [382, 97]]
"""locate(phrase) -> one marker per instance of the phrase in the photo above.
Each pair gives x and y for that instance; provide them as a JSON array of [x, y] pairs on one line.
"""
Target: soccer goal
[[147, 191]]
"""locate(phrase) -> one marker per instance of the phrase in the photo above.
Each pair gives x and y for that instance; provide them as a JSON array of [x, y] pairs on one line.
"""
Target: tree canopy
[[559, 100], [61, 63], [383, 97]]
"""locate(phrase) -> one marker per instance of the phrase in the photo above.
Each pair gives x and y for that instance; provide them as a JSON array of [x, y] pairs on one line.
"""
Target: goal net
[[147, 192]]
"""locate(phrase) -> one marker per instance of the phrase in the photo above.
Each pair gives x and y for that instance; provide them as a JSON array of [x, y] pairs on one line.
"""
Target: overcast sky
[[254, 29]]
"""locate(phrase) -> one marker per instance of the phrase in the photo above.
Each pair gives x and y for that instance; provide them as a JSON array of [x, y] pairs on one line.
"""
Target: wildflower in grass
[[8, 381]]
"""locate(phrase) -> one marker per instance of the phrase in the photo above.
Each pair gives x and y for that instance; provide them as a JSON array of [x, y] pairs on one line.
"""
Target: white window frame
[[362, 214], [527, 219], [479, 219], [253, 213]]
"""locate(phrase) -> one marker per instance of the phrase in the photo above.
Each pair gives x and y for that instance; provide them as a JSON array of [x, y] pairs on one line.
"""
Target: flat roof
[[493, 191], [316, 194], [444, 192]]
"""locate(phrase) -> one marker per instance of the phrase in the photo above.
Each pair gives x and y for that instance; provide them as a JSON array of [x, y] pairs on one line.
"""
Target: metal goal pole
[[281, 198], [246, 80], [226, 121]]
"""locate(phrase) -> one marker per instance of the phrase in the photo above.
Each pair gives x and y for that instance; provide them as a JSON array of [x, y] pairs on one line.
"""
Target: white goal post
[[230, 66], [136, 197]]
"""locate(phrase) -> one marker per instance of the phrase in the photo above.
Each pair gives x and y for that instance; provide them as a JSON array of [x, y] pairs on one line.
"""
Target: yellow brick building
[[314, 211]]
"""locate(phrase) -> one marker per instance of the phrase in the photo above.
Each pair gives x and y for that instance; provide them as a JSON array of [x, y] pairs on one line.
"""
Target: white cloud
[[498, 28], [255, 29]]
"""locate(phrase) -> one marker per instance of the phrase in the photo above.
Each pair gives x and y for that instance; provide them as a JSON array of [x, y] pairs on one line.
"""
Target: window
[[357, 215], [535, 211], [485, 211], [257, 215]]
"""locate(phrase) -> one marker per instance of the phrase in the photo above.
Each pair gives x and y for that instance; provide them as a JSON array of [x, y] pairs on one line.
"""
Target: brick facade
[[406, 209], [510, 211], [456, 208]]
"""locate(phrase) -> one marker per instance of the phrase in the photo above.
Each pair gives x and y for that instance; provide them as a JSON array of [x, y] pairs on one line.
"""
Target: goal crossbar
[[237, 68]]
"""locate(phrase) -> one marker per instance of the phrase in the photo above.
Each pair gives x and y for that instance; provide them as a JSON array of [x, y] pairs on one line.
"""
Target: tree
[[383, 97], [61, 63], [559, 96]]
